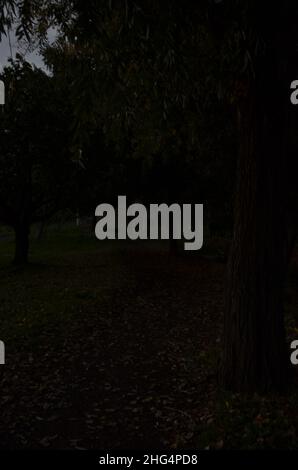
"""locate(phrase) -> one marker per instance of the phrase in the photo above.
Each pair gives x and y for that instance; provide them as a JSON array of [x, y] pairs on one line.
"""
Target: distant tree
[[36, 169]]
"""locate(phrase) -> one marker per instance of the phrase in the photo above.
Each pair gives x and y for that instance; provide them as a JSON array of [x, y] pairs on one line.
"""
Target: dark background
[[121, 344]]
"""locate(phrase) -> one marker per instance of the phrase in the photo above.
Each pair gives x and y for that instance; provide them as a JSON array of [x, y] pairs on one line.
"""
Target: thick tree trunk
[[22, 232], [255, 353]]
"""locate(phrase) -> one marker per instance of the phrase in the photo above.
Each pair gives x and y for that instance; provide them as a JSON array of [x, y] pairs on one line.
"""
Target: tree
[[136, 75], [255, 353], [36, 169]]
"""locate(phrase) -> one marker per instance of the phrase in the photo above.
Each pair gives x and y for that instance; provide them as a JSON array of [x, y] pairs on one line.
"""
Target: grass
[[117, 345]]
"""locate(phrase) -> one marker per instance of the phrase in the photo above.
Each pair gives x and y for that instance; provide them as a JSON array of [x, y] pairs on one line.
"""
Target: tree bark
[[22, 232], [254, 350]]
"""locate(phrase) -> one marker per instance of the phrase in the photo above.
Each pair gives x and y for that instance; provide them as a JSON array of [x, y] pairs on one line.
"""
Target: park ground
[[113, 345]]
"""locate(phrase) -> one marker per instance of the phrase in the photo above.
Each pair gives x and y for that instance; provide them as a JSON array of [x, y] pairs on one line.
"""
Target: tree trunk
[[41, 230], [255, 353], [22, 232]]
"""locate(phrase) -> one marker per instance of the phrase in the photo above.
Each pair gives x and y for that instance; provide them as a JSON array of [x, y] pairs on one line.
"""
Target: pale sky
[[5, 52]]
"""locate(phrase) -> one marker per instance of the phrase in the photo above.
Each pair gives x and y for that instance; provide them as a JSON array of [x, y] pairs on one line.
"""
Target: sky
[[32, 57]]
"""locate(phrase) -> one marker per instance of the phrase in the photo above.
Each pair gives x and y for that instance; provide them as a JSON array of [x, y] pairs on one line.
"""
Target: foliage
[[35, 165]]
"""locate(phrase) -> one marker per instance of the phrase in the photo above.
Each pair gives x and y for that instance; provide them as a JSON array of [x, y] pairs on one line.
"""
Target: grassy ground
[[117, 345]]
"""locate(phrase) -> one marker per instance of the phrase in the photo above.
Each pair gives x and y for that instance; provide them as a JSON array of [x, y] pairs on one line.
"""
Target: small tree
[[35, 166]]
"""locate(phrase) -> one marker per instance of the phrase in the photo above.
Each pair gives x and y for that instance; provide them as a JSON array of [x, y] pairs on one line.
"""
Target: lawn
[[116, 345]]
